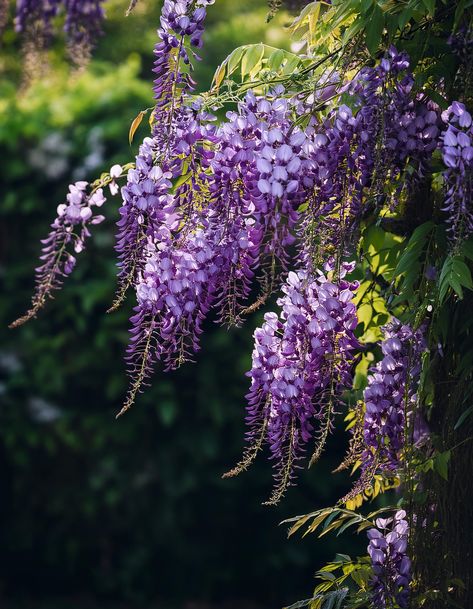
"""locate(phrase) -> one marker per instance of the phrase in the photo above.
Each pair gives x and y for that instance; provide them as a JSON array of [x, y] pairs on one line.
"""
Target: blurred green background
[[96, 512]]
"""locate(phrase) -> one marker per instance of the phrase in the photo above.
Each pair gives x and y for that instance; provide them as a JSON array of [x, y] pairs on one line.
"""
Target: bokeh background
[[133, 513]]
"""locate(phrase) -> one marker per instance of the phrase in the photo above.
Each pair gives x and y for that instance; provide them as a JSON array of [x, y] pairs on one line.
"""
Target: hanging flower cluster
[[68, 233], [35, 18], [82, 26], [302, 362], [362, 153], [457, 154], [269, 195], [391, 565], [390, 396]]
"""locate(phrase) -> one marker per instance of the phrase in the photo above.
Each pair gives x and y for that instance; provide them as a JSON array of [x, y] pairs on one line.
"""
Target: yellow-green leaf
[[135, 124], [219, 75], [252, 58]]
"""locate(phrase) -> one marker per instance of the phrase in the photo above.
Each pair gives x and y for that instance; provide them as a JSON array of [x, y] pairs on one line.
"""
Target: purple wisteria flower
[[457, 154], [146, 200], [34, 18], [180, 30], [67, 237], [301, 363], [83, 26], [261, 174], [362, 152], [391, 565], [391, 396]]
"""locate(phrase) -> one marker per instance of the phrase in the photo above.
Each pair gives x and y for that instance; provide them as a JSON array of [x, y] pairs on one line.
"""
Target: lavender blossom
[[391, 396], [457, 154], [261, 171], [34, 19], [145, 199], [83, 26], [391, 566], [175, 291], [181, 22], [301, 364], [69, 231]]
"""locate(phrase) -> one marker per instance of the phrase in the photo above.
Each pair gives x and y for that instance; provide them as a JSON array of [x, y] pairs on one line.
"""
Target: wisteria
[[457, 154], [180, 31], [82, 24], [67, 237], [391, 565], [275, 196], [391, 397], [302, 362], [34, 18]]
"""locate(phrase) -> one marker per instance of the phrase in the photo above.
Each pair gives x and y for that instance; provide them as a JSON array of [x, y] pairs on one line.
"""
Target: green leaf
[[456, 275], [430, 6], [234, 59], [441, 464], [219, 75], [346, 525], [463, 417], [252, 58], [291, 63], [374, 30], [462, 272], [353, 30], [405, 17], [458, 13], [374, 235], [467, 249], [414, 248], [135, 124], [275, 60]]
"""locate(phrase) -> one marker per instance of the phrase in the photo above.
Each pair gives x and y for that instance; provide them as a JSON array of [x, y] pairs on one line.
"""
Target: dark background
[[96, 512]]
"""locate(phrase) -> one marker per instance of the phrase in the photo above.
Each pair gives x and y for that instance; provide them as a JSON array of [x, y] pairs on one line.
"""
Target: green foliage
[[330, 600], [260, 60], [333, 519]]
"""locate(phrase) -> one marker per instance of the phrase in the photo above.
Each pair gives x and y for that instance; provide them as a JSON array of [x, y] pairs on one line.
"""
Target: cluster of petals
[[82, 25], [391, 395], [180, 31], [302, 358], [67, 237], [391, 565], [457, 154], [177, 288], [73, 219], [262, 168]]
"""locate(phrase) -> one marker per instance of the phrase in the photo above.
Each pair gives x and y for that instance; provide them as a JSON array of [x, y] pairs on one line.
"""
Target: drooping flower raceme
[[391, 396], [261, 173], [67, 237], [361, 152], [301, 363], [34, 18], [145, 199], [391, 566], [457, 154], [83, 26], [181, 21], [178, 134]]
